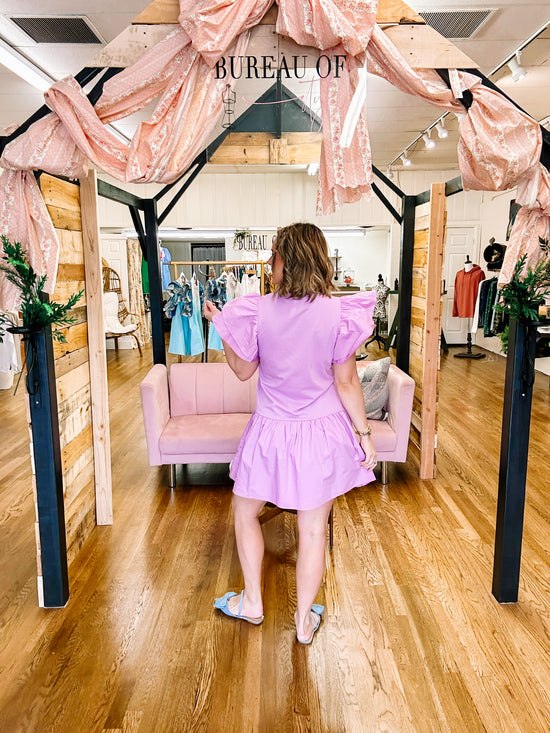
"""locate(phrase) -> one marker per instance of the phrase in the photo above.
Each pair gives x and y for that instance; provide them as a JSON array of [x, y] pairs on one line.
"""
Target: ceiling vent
[[58, 29], [456, 23]]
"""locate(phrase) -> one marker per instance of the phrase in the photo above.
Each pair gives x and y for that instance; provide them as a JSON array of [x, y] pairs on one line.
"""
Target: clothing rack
[[226, 263]]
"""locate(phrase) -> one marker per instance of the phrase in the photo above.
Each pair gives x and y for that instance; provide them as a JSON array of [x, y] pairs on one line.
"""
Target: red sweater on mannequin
[[466, 289]]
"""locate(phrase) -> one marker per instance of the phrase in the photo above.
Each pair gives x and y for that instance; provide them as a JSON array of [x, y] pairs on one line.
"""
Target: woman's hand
[[209, 310], [370, 453]]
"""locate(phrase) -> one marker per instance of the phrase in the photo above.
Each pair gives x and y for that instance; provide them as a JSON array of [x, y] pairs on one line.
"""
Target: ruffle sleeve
[[356, 324], [237, 324]]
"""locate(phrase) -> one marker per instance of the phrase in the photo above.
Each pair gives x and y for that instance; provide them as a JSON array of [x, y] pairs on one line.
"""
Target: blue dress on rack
[[186, 337]]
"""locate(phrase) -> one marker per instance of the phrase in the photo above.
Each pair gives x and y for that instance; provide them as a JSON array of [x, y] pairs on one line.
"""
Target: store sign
[[264, 67], [246, 241]]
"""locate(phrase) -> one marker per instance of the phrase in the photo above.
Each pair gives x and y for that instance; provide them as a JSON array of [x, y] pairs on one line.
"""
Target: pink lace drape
[[345, 174]]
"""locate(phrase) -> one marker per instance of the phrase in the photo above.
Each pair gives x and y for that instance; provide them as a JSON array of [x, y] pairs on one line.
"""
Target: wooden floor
[[412, 638]]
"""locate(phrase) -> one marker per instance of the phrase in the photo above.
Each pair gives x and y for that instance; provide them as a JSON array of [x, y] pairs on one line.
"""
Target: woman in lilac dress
[[308, 440]]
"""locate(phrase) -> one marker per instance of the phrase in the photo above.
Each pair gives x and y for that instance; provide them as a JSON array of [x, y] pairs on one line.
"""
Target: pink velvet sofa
[[197, 414]]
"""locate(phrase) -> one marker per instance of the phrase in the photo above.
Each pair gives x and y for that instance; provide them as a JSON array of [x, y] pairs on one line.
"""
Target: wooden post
[[155, 279], [405, 283], [514, 450], [432, 332], [53, 583], [97, 349]]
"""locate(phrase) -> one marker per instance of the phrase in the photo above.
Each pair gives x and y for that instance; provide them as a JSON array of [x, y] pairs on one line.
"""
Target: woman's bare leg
[[250, 546], [310, 566]]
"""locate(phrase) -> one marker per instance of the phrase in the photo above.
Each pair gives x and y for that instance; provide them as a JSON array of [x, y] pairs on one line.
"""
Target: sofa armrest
[[155, 402], [400, 401]]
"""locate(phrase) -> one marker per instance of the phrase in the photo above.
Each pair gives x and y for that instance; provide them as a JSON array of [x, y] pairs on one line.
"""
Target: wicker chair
[[115, 311]]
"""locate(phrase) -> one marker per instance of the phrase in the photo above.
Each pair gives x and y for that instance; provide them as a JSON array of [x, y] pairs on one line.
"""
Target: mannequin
[[380, 313], [466, 289]]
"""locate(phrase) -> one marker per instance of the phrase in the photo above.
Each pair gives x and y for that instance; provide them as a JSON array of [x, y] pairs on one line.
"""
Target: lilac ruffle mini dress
[[298, 450]]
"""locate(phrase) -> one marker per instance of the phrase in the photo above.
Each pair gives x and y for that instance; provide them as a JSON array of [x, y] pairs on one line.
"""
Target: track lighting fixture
[[389, 173], [518, 72], [441, 129], [404, 160], [428, 142]]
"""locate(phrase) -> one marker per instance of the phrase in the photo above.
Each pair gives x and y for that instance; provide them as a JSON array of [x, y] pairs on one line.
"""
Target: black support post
[[155, 279], [514, 449], [405, 284], [48, 469]]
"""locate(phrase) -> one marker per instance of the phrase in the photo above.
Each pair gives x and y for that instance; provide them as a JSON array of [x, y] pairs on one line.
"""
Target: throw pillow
[[373, 377]]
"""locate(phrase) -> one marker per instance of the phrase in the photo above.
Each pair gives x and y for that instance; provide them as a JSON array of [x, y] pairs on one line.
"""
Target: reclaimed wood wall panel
[[426, 326], [72, 367]]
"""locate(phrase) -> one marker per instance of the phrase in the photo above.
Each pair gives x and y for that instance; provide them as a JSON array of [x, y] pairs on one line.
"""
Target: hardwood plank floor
[[412, 639]]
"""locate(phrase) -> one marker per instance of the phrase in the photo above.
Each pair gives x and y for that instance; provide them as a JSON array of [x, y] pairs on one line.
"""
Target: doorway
[[460, 241]]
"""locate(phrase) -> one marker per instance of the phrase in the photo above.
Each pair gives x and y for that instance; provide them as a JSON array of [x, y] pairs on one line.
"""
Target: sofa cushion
[[203, 433], [373, 377]]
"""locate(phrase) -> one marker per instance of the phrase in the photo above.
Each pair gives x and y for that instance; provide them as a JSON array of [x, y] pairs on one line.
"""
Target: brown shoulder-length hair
[[307, 270]]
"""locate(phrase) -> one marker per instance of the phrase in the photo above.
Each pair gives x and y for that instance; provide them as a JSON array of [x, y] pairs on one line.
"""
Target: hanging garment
[[165, 259], [466, 285], [196, 345], [233, 287], [178, 292], [250, 285], [215, 291]]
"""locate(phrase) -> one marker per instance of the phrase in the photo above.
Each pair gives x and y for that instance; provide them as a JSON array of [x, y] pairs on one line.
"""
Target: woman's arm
[[349, 390], [243, 369]]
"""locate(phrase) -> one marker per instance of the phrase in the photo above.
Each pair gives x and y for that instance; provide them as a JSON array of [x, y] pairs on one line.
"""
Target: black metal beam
[[199, 166], [138, 226], [405, 283], [155, 280], [48, 468], [389, 183], [83, 78], [108, 191], [396, 215], [514, 450]]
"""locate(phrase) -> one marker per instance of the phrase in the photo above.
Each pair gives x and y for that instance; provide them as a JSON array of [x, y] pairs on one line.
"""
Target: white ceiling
[[395, 119]]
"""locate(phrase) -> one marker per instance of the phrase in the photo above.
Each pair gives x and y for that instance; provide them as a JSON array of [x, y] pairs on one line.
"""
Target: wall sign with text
[[264, 67], [253, 241]]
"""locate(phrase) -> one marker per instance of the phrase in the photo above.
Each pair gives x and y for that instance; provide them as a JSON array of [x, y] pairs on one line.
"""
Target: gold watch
[[368, 431]]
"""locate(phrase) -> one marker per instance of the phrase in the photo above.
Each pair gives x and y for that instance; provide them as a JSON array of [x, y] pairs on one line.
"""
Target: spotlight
[[389, 173], [428, 142], [441, 129], [518, 72], [404, 160]]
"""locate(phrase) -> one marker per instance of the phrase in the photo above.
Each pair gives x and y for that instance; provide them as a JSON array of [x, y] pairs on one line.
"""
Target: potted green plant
[[526, 291], [36, 311]]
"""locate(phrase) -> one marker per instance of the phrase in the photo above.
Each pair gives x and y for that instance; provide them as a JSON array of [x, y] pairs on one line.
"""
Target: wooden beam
[[395, 11], [262, 148], [432, 330], [421, 45], [167, 11], [424, 48], [97, 349]]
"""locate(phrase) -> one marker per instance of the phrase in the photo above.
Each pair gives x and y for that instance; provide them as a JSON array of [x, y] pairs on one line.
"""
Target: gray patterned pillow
[[373, 378]]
